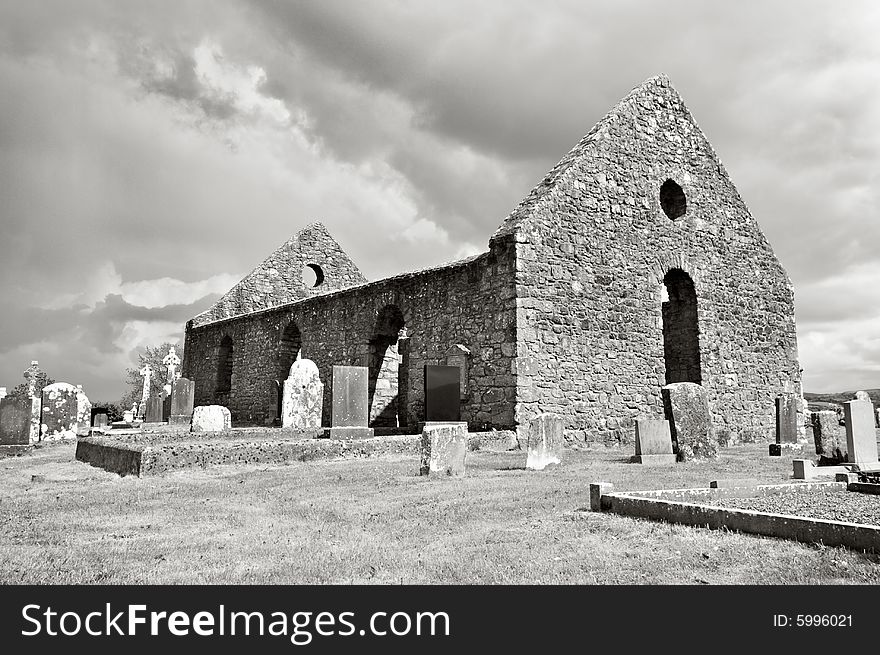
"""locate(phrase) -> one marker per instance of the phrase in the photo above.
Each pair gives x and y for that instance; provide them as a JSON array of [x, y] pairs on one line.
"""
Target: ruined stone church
[[634, 263]]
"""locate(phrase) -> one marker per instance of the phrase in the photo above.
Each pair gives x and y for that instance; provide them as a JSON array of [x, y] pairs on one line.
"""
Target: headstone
[[862, 395], [2, 393], [687, 409], [829, 438], [545, 441], [442, 393], [166, 406], [350, 403], [100, 417], [653, 442], [128, 416], [443, 450], [154, 410], [182, 395], [861, 439], [211, 418], [303, 396], [15, 421], [60, 412], [786, 418]]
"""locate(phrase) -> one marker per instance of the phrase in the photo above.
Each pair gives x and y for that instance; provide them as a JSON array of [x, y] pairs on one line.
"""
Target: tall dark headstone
[[786, 418], [690, 421], [350, 409], [166, 407], [15, 422], [154, 410], [442, 393], [182, 397]]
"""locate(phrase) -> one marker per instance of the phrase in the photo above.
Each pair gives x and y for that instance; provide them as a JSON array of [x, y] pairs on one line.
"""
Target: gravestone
[[60, 409], [442, 393], [653, 442], [128, 416], [147, 373], [545, 441], [100, 417], [303, 396], [153, 413], [182, 398], [211, 418], [829, 438], [786, 418], [861, 439], [15, 424], [687, 410], [443, 449], [2, 393], [166, 406], [350, 403]]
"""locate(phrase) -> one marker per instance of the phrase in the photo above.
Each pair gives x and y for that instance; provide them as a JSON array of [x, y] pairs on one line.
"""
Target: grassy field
[[377, 521]]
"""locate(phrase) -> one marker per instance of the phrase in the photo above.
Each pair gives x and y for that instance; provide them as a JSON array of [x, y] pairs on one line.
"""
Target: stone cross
[[31, 374], [147, 372], [171, 361]]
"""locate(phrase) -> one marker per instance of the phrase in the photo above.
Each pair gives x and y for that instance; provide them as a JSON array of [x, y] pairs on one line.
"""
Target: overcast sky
[[153, 153]]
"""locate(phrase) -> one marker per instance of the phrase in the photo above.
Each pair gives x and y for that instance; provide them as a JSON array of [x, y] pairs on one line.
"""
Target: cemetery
[[564, 370]]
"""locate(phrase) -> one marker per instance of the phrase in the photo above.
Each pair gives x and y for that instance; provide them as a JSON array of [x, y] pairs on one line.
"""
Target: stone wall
[[394, 327], [594, 243]]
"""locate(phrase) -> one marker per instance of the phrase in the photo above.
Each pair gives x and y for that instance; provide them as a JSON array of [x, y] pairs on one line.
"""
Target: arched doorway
[[681, 334]]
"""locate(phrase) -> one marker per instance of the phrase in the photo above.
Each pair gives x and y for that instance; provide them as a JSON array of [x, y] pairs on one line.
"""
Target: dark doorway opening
[[681, 334]]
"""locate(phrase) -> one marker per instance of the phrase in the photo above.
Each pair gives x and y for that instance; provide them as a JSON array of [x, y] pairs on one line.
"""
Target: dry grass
[[377, 521]]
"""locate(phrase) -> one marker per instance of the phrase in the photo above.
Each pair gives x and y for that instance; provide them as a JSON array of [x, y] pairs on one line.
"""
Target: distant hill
[[840, 397]]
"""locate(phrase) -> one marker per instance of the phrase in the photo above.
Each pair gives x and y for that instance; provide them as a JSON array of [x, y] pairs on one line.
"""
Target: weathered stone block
[[443, 450], [211, 418], [14, 422], [546, 440], [303, 396], [830, 440], [350, 397], [597, 490], [786, 418], [687, 409], [861, 439]]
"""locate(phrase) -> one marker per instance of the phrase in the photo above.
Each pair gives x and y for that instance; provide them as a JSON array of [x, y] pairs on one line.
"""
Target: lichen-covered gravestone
[[861, 439], [443, 450], [211, 418], [545, 441], [303, 396], [687, 409], [653, 442], [829, 438], [153, 413], [66, 412]]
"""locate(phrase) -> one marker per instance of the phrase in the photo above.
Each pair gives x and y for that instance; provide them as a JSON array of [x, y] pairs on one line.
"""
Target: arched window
[[681, 334], [224, 365]]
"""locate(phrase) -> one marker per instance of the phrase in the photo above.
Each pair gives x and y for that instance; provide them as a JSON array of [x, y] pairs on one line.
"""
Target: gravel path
[[828, 504]]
